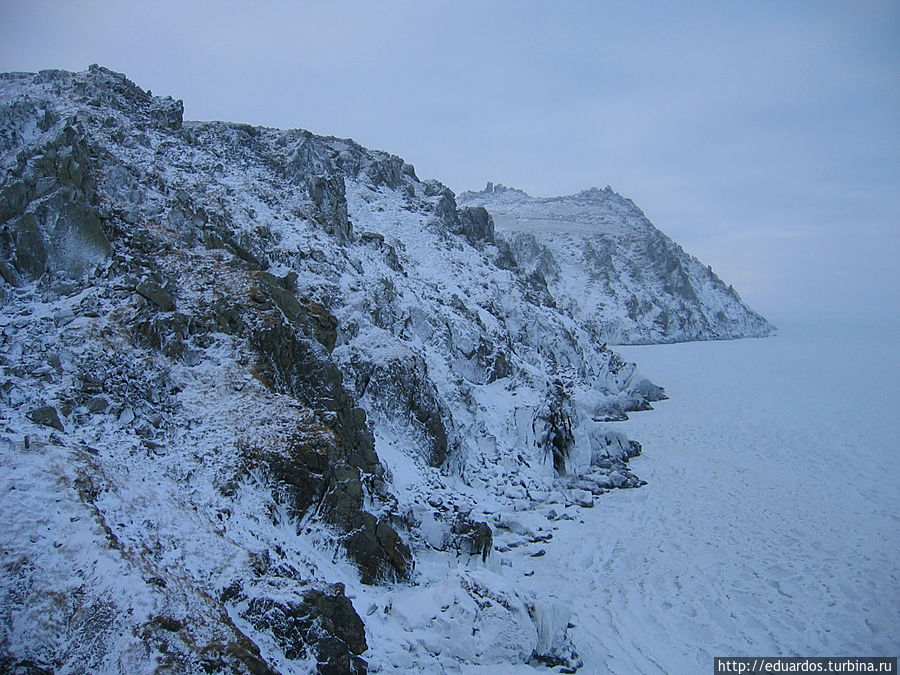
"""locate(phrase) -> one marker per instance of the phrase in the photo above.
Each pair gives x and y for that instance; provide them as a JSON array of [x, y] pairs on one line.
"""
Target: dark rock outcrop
[[330, 198], [322, 625], [472, 537], [47, 416], [476, 224], [405, 383]]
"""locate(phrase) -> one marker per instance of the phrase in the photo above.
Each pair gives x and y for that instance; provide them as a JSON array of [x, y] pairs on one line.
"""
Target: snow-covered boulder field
[[271, 403]]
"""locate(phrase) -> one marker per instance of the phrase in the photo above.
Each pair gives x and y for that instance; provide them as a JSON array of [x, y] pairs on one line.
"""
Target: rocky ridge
[[273, 404], [607, 265]]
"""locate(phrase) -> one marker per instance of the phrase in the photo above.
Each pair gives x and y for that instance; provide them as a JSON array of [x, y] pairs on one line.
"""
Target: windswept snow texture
[[607, 264], [788, 545]]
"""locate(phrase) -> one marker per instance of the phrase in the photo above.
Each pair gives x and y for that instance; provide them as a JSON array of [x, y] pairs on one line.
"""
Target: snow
[[769, 525], [608, 266], [473, 351]]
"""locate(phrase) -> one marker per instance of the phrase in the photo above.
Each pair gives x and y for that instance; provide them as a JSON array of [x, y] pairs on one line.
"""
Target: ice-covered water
[[771, 522]]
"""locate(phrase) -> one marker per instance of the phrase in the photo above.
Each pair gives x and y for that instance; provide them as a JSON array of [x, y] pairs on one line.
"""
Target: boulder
[[156, 294], [582, 498], [47, 416]]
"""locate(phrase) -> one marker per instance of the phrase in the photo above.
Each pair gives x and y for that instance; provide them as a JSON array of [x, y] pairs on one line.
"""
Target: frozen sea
[[771, 521]]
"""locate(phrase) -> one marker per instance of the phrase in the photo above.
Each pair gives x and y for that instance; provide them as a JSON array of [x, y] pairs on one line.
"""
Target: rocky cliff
[[270, 403], [608, 266]]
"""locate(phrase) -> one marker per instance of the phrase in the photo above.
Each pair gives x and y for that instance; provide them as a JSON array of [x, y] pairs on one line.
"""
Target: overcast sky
[[762, 136]]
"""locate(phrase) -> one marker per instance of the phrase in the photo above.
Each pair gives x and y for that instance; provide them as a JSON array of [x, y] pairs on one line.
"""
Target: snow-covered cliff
[[608, 266], [270, 403]]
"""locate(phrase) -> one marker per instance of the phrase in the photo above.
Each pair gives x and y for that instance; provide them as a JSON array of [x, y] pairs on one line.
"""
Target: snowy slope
[[607, 265], [273, 404]]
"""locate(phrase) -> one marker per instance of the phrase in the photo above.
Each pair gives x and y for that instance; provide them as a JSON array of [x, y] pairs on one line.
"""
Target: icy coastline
[[271, 403]]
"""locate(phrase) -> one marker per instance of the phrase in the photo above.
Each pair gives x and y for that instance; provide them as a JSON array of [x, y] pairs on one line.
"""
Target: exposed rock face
[[325, 619], [403, 383], [476, 225], [328, 194], [258, 373], [138, 312], [610, 267]]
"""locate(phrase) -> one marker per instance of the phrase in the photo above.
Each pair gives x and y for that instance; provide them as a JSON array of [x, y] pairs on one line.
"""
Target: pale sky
[[764, 137]]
